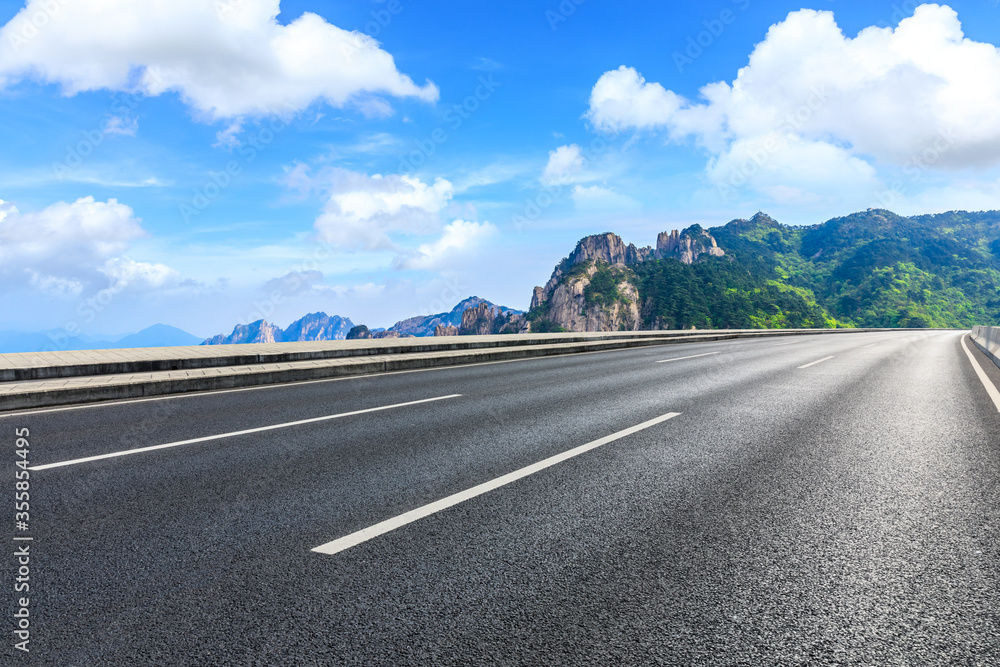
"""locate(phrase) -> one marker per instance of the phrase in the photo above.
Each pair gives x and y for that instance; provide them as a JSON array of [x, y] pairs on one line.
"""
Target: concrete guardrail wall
[[988, 340]]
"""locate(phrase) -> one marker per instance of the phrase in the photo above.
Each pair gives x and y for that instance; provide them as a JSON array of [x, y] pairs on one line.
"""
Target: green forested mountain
[[868, 269], [878, 269]]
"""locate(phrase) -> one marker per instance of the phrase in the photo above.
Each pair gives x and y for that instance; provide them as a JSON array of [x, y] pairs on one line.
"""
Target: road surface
[[828, 499]]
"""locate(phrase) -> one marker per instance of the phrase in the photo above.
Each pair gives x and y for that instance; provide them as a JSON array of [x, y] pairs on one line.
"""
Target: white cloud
[[294, 282], [384, 213], [365, 212], [123, 272], [71, 248], [121, 125], [486, 65], [791, 169], [225, 59], [967, 194], [621, 100], [368, 290], [502, 171], [600, 198], [229, 137], [565, 165], [814, 105], [458, 239]]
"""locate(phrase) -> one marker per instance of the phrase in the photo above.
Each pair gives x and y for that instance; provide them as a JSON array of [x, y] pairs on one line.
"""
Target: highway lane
[[845, 511]]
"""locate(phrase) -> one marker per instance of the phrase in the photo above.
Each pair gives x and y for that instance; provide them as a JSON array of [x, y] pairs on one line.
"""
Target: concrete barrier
[[988, 340]]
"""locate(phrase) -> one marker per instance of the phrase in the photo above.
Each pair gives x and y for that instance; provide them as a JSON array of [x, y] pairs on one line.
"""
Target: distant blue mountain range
[[158, 335], [315, 326]]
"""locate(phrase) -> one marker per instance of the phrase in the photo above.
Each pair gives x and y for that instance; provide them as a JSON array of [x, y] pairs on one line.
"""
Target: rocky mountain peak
[[761, 218], [426, 325], [608, 248], [687, 245], [483, 320], [256, 332], [359, 332], [315, 326]]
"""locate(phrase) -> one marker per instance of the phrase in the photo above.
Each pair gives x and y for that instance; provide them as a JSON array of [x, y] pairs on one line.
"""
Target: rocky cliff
[[593, 296], [687, 246], [315, 326], [594, 288], [483, 320], [255, 332], [426, 325], [360, 332]]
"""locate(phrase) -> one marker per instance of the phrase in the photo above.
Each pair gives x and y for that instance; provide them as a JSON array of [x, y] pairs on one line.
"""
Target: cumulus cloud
[[565, 165], [600, 198], [368, 290], [225, 59], [365, 212], [229, 136], [123, 271], [72, 248], [622, 99], [294, 282], [394, 213], [121, 125], [458, 239], [813, 103]]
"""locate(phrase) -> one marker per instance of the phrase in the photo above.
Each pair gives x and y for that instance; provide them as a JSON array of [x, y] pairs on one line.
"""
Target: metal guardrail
[[988, 340]]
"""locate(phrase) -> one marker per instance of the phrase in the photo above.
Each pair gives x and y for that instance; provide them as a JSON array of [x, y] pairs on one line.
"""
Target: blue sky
[[206, 163]]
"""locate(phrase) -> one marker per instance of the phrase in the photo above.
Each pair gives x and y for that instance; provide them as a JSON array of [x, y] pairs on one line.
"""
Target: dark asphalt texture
[[846, 513]]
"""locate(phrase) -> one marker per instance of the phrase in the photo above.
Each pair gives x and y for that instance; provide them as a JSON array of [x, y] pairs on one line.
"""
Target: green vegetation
[[869, 269], [603, 288], [717, 293], [872, 269], [542, 324]]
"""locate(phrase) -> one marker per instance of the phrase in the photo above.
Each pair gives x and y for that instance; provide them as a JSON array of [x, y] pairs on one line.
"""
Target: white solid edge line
[[990, 387], [818, 361], [791, 342], [388, 525], [693, 356], [219, 436]]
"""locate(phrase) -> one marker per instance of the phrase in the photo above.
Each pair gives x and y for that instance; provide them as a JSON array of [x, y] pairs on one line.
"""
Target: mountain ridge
[[320, 326], [869, 268], [314, 326], [157, 335]]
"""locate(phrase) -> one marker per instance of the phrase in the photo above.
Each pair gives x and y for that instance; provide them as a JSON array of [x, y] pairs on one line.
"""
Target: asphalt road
[[841, 512]]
